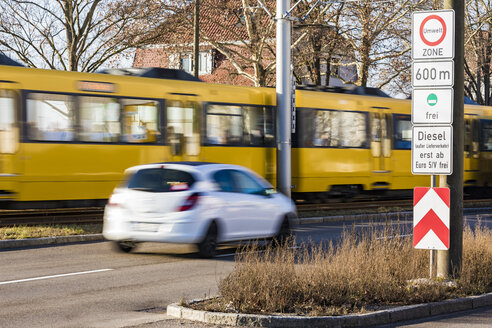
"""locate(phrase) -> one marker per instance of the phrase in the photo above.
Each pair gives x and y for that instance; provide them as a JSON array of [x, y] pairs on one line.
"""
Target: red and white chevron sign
[[431, 218]]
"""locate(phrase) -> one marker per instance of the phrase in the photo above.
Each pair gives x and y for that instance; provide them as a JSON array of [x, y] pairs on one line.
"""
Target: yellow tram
[[66, 137]]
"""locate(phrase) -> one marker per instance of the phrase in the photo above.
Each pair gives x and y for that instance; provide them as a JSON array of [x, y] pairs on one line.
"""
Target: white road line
[[396, 236], [373, 224], [54, 276]]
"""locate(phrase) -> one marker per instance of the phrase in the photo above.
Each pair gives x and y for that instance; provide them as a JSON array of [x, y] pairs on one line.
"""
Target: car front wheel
[[208, 246], [283, 234], [125, 246]]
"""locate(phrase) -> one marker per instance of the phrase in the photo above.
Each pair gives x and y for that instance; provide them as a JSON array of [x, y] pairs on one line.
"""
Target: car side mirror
[[267, 192]]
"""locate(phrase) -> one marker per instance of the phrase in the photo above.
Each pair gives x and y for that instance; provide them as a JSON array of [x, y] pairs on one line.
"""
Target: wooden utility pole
[[196, 38], [449, 262]]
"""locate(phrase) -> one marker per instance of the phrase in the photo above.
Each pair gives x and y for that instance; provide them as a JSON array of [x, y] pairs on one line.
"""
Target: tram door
[[472, 135], [381, 147], [183, 127], [9, 137]]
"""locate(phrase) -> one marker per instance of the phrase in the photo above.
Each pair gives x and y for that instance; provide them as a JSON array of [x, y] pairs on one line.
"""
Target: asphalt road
[[90, 285]]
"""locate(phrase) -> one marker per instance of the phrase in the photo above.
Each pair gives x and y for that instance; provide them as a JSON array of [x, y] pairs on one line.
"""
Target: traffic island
[[387, 316], [368, 278]]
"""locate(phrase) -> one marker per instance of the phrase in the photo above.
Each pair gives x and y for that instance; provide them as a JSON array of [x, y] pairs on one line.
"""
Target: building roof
[[221, 20]]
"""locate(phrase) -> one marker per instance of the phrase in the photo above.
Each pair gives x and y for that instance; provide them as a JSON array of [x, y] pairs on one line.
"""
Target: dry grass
[[24, 232], [363, 272], [476, 275]]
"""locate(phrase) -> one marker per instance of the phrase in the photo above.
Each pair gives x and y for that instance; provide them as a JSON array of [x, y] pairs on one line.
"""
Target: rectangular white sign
[[433, 34], [432, 150], [432, 106], [433, 74]]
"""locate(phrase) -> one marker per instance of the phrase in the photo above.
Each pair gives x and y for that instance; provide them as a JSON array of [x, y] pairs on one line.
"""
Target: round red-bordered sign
[[428, 18]]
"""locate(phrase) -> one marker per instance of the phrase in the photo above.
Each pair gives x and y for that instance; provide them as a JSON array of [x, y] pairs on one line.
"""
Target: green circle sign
[[432, 99]]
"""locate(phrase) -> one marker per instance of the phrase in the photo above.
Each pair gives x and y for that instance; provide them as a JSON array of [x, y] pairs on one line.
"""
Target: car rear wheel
[[125, 246], [208, 247]]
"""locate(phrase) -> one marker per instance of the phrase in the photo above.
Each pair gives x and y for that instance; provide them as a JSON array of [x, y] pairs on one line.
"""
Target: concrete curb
[[15, 243], [389, 316]]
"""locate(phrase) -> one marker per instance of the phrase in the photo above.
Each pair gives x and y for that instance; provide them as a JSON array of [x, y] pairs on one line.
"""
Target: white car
[[195, 202]]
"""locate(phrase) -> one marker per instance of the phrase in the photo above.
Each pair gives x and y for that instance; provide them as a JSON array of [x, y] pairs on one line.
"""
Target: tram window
[[331, 128], [258, 126], [180, 120], [353, 129], [304, 129], [326, 128], [468, 135], [375, 127], [141, 120], [475, 138], [403, 131], [318, 128], [224, 125], [183, 127], [476, 131], [50, 117], [486, 141], [8, 130], [99, 119]]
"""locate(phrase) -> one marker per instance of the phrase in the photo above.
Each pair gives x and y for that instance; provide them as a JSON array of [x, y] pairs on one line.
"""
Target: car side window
[[246, 184], [224, 180]]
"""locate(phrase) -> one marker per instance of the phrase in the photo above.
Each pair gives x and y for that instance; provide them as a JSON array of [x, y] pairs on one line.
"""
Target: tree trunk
[[328, 71], [70, 32], [486, 70], [365, 57]]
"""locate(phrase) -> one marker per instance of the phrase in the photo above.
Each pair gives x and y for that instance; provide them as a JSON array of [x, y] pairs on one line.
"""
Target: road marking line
[[54, 276], [396, 236], [370, 224]]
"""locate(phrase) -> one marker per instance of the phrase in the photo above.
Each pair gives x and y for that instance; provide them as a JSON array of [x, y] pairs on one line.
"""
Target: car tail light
[[189, 202], [115, 200]]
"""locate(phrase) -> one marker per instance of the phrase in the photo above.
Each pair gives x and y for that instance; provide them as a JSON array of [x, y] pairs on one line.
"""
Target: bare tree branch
[[76, 34]]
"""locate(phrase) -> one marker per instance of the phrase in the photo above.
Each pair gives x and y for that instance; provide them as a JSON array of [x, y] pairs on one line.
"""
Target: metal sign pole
[[433, 252], [284, 94]]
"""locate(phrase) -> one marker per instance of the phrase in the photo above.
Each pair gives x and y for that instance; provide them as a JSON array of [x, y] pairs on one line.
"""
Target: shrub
[[364, 270]]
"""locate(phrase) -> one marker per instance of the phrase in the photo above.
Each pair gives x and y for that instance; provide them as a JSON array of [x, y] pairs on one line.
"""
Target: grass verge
[[363, 272], [24, 232]]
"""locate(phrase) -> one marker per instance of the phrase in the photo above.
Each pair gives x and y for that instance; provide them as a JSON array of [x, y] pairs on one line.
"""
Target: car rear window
[[160, 180]]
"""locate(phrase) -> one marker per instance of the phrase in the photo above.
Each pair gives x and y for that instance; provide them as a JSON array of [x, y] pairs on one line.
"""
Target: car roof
[[189, 163], [189, 166]]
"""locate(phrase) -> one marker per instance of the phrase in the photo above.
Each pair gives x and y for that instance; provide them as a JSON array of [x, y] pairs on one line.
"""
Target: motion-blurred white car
[[195, 202]]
